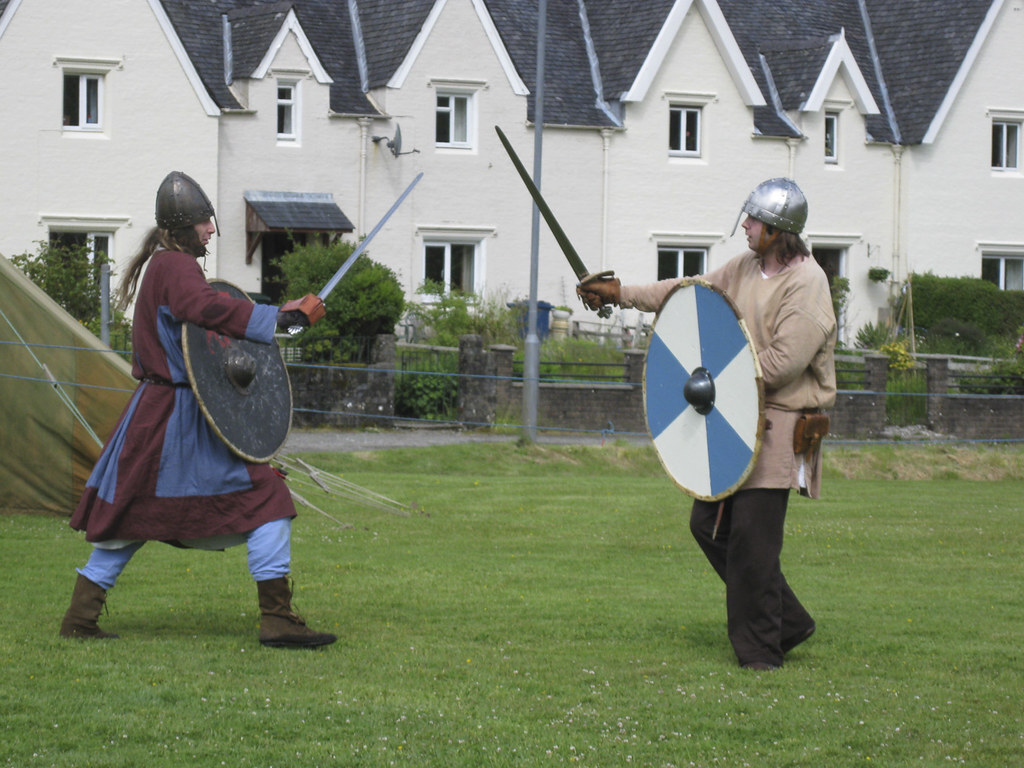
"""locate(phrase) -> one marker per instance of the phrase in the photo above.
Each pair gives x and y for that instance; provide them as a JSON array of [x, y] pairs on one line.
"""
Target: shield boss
[[242, 387], [703, 392]]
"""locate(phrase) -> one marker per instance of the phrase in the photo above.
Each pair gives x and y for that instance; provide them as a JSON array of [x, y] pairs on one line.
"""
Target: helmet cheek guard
[[181, 202], [779, 203]]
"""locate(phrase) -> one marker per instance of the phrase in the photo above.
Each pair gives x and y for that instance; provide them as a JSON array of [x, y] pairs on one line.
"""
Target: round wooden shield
[[242, 387], [703, 392]]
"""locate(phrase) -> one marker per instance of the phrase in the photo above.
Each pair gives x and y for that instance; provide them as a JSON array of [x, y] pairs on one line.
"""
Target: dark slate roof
[[199, 25], [252, 31], [921, 49], [389, 29], [570, 97], [907, 51], [624, 31], [298, 211]]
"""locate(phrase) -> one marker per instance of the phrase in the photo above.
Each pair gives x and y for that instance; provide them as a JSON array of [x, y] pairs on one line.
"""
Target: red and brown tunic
[[164, 474]]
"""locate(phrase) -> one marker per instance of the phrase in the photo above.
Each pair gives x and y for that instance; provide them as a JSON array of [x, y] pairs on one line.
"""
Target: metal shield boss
[[703, 392], [242, 387]]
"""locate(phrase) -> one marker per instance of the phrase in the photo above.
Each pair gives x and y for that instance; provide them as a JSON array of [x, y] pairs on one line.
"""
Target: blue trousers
[[269, 550]]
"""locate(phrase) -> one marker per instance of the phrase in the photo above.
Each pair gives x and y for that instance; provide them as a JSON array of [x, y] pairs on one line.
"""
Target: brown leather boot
[[86, 605], [280, 626]]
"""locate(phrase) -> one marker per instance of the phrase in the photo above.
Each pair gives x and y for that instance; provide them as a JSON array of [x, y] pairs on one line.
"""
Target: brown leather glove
[[302, 312], [599, 292]]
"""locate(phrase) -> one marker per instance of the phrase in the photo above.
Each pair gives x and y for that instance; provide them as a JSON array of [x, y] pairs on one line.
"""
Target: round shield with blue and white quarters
[[703, 392]]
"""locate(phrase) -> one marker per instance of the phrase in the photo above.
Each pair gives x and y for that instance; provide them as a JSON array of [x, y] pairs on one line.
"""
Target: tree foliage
[[367, 301], [68, 274]]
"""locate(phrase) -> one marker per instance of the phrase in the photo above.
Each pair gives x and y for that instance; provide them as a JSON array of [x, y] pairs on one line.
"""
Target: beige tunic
[[790, 319]]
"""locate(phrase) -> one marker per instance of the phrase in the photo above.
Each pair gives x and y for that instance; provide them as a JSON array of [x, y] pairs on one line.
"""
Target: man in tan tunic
[[783, 295]]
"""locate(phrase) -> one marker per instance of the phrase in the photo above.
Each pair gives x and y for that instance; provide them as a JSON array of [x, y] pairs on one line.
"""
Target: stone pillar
[[501, 360], [383, 361], [476, 396], [877, 373], [937, 376]]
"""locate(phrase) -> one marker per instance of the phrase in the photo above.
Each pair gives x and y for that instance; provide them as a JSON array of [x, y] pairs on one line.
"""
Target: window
[[832, 137], [453, 126], [681, 262], [1005, 271], [287, 111], [1005, 145], [684, 131], [452, 265], [83, 101], [93, 244]]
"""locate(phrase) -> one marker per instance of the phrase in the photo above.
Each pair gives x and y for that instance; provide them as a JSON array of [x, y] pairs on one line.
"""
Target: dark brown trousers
[[762, 610]]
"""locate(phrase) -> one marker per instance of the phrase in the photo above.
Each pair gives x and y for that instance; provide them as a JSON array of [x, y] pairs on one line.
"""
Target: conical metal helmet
[[779, 203], [180, 201]]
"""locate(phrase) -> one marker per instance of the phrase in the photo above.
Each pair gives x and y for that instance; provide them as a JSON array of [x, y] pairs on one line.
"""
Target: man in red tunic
[[164, 475]]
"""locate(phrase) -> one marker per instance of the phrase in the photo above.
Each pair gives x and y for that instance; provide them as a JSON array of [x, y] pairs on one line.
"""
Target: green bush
[[969, 300], [448, 316], [367, 301], [950, 336]]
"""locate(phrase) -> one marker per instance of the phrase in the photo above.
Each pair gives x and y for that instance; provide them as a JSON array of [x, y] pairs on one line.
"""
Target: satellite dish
[[395, 144]]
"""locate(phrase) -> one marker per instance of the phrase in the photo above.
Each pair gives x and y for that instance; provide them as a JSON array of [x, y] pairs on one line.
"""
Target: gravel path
[[332, 441]]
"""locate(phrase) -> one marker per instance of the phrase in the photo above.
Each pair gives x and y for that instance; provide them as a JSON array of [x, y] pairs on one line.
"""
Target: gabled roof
[[904, 61], [573, 94], [326, 25], [923, 52]]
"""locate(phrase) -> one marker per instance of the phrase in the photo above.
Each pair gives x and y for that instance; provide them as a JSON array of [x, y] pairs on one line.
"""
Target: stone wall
[[355, 396]]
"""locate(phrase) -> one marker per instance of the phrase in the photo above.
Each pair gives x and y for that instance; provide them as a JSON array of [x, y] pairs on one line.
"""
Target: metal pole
[[105, 303], [531, 351]]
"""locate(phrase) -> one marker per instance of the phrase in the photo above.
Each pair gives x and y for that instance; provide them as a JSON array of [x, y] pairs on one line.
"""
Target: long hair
[[184, 239], [786, 246]]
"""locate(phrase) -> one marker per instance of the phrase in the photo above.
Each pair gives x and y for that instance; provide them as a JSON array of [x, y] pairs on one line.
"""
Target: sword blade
[[326, 290], [556, 229]]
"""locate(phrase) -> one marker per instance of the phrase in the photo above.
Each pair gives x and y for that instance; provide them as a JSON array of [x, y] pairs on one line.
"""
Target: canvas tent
[[61, 392]]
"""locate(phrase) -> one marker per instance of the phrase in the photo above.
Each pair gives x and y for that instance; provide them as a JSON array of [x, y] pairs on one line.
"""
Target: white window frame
[[1006, 138], [831, 137], [86, 71], [446, 238], [681, 254], [682, 113], [464, 92], [1014, 275], [292, 105], [683, 103]]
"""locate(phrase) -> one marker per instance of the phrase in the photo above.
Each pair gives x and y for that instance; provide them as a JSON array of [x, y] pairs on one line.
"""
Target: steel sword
[[582, 273], [329, 286]]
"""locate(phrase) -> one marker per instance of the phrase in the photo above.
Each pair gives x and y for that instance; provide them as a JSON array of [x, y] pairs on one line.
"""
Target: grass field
[[543, 606]]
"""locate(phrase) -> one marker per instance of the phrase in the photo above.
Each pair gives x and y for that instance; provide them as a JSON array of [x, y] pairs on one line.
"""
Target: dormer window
[[287, 111], [83, 101], [684, 130], [832, 138]]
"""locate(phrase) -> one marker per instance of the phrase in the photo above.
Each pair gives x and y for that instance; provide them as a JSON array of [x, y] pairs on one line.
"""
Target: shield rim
[[758, 380], [202, 404]]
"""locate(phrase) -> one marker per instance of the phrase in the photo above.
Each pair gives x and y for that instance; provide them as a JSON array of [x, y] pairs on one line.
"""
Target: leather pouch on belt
[[810, 429]]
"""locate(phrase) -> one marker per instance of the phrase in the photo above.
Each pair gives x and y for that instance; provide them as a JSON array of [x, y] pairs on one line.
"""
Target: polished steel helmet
[[180, 201], [779, 203]]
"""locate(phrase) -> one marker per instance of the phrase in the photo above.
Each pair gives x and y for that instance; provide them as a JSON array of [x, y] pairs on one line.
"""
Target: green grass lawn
[[543, 606]]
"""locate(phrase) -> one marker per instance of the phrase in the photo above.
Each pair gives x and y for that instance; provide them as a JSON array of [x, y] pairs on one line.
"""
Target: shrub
[[950, 336], [969, 300], [367, 301], [871, 336], [447, 316]]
